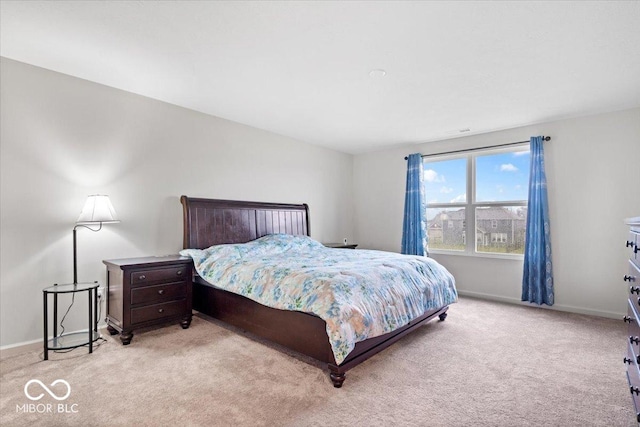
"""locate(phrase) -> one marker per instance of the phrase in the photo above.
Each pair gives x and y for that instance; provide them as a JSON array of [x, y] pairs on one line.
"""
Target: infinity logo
[[52, 394]]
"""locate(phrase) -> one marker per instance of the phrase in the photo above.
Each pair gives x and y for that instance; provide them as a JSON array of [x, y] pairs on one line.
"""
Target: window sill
[[513, 257]]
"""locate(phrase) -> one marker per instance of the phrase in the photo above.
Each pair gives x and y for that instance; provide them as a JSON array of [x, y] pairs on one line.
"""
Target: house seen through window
[[487, 189]]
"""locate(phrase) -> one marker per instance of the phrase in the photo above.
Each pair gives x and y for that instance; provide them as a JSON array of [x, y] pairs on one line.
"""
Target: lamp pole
[[75, 256]]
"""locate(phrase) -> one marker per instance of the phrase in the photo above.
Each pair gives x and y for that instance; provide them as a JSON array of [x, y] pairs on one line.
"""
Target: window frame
[[471, 204]]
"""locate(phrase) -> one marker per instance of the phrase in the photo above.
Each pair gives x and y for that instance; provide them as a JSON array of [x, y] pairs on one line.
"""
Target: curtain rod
[[544, 138]]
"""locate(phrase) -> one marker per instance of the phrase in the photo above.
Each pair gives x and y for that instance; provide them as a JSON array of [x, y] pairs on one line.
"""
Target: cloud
[[446, 190], [432, 176], [460, 198], [520, 153], [508, 167]]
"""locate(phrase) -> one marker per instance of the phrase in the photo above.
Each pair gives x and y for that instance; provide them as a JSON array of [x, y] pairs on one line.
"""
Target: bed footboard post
[[443, 313], [337, 377]]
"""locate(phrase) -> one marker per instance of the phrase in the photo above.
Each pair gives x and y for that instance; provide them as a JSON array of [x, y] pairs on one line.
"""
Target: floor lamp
[[97, 210]]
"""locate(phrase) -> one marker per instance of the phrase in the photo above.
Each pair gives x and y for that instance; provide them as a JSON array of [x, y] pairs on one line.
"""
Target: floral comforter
[[359, 293]]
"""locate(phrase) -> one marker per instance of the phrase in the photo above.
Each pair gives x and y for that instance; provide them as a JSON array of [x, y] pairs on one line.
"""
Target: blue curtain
[[414, 234], [537, 280]]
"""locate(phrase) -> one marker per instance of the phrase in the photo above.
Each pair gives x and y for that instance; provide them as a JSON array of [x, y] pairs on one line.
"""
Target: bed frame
[[209, 222]]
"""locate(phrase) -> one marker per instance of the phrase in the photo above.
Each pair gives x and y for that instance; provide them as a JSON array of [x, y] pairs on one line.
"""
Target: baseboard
[[27, 346], [556, 307], [19, 348], [24, 347]]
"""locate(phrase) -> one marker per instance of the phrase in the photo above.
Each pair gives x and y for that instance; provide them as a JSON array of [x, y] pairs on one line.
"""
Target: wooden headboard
[[210, 222]]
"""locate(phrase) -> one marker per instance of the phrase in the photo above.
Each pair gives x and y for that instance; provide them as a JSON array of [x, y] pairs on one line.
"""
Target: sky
[[499, 177]]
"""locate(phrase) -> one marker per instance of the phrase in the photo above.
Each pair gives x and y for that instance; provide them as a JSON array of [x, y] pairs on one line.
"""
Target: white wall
[[593, 182], [63, 138]]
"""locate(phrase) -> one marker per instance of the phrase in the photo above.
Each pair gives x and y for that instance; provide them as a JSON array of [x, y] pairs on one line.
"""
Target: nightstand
[[341, 245], [147, 291]]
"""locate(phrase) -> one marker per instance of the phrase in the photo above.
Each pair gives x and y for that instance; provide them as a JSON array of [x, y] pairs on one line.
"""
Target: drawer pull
[[179, 272], [634, 290], [634, 340], [142, 277], [628, 319], [635, 390], [160, 310], [160, 291], [635, 249], [627, 361], [628, 278], [629, 243]]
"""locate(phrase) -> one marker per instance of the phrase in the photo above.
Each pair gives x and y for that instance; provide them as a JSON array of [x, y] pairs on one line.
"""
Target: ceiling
[[304, 69]]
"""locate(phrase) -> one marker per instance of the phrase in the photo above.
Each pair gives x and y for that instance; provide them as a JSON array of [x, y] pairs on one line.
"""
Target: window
[[498, 237], [487, 189]]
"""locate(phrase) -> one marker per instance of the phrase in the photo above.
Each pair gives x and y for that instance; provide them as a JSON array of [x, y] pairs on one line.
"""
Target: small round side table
[[74, 339]]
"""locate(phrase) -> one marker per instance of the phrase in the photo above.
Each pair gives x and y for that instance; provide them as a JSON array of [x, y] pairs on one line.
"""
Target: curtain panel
[[414, 227], [537, 280]]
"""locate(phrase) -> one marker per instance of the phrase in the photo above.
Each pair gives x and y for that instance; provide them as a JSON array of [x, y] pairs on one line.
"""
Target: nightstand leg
[[126, 337], [112, 330], [186, 322]]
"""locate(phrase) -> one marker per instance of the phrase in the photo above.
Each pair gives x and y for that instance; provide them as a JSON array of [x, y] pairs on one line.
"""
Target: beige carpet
[[488, 364]]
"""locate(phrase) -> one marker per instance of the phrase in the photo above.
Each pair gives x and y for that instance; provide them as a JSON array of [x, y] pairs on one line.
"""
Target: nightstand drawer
[[158, 311], [158, 293], [159, 275]]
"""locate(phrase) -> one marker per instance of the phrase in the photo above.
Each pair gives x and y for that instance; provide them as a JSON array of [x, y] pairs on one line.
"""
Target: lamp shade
[[97, 209]]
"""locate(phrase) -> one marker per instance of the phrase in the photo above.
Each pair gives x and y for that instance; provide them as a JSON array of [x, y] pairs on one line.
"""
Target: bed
[[209, 222]]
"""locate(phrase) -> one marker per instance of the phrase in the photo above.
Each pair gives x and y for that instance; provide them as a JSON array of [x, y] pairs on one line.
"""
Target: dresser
[[632, 279], [147, 291]]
